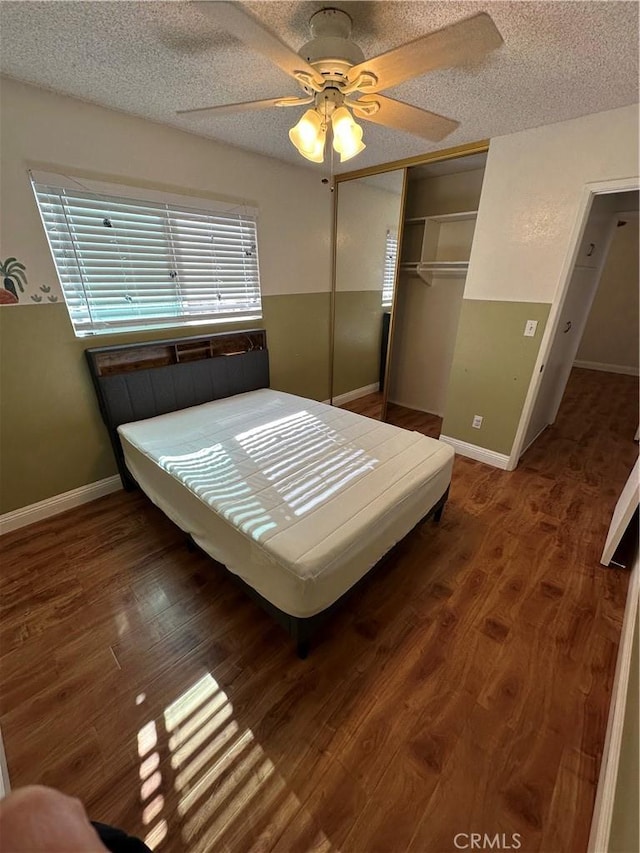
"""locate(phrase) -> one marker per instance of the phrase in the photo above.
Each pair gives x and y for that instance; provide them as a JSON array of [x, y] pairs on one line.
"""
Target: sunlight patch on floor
[[226, 785]]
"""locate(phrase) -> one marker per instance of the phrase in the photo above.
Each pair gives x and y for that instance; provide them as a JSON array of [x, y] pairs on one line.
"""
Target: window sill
[[158, 327]]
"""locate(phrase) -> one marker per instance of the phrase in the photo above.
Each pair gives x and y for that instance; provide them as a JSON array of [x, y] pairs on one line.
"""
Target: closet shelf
[[428, 270], [429, 240]]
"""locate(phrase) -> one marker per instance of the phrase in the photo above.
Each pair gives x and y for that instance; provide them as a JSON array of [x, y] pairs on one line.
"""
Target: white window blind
[[127, 263], [389, 274]]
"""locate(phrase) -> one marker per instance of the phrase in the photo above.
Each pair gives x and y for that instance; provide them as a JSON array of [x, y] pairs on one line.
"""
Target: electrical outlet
[[476, 423], [530, 328]]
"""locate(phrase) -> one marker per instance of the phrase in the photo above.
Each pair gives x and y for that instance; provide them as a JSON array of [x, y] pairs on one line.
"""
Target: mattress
[[298, 498]]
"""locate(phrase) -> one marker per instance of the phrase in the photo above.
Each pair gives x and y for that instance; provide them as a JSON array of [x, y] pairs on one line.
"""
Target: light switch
[[530, 328]]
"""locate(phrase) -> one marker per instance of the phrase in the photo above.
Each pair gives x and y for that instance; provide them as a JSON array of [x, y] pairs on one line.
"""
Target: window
[[127, 263], [389, 274]]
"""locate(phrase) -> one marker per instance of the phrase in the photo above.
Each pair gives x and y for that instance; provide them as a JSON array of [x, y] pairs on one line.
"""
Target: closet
[[439, 221], [402, 241]]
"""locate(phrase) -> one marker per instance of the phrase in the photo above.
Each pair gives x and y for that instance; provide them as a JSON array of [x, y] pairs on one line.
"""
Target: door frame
[[589, 191]]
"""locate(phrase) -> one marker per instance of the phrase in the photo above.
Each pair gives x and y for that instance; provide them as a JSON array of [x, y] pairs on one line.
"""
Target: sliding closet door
[[368, 221]]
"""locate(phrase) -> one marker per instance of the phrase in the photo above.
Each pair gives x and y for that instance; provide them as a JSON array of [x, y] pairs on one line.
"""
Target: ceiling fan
[[340, 83]]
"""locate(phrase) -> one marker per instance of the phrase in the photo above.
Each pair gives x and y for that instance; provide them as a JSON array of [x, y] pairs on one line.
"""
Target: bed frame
[[138, 381]]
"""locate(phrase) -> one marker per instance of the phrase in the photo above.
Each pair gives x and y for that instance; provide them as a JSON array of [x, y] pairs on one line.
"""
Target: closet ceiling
[[560, 60]]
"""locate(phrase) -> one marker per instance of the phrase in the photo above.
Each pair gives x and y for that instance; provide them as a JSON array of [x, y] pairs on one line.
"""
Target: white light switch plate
[[530, 328]]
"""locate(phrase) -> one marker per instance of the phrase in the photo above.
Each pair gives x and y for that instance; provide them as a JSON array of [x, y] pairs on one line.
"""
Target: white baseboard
[[608, 368], [480, 454], [58, 503], [607, 781], [356, 394]]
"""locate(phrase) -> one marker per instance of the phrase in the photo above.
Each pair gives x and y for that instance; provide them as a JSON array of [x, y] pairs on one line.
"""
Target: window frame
[[172, 212]]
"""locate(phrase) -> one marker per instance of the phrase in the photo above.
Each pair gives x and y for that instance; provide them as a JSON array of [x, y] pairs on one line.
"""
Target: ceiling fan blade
[[252, 32], [247, 106], [454, 45], [405, 117]]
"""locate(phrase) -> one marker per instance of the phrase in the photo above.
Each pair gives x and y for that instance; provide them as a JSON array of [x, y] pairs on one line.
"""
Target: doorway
[[597, 325]]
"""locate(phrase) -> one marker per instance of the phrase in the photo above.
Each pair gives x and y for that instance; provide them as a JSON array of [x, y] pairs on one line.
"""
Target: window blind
[[127, 263], [389, 274]]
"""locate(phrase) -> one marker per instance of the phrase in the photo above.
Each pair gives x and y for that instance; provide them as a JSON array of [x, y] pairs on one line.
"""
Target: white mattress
[[298, 498]]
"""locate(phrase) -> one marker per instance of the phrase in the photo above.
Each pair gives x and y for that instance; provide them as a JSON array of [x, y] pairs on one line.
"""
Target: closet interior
[[439, 219]]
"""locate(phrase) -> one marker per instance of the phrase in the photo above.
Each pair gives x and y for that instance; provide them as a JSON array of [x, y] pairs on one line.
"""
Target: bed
[[298, 499]]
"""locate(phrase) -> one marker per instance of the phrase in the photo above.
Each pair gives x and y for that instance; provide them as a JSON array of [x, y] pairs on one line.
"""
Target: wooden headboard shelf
[[138, 381], [109, 361]]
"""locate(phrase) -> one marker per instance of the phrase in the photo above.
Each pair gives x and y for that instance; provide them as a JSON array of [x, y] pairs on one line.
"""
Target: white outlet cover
[[476, 423], [530, 328]]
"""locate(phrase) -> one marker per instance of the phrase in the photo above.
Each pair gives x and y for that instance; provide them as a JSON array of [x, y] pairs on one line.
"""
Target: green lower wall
[[298, 339], [51, 437], [492, 368], [358, 331]]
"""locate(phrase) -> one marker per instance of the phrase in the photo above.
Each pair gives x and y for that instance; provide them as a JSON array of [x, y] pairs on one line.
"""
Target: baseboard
[[58, 503], [608, 368], [607, 781], [356, 394], [480, 454]]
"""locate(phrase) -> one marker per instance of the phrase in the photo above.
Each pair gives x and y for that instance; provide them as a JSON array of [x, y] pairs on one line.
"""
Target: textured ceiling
[[560, 60]]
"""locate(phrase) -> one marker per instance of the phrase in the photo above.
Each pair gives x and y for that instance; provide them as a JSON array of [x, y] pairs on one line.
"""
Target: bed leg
[[437, 515], [299, 632]]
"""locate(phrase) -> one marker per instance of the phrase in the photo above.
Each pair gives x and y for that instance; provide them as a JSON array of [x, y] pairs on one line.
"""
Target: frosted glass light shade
[[347, 135], [309, 136]]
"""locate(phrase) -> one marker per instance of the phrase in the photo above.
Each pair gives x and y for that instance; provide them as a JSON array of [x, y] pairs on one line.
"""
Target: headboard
[[138, 381]]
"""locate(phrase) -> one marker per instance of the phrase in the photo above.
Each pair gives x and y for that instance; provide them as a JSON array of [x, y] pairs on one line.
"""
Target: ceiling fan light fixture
[[309, 136], [334, 73], [347, 135]]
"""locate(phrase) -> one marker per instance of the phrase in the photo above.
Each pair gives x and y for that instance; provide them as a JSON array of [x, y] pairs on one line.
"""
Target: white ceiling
[[560, 60]]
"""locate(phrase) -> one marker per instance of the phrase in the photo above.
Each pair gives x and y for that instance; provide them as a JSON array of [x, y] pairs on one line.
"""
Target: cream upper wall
[[530, 201], [45, 130], [611, 332], [365, 213]]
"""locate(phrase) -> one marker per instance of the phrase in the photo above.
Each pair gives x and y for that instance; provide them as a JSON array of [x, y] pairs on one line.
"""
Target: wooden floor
[[464, 689], [371, 406]]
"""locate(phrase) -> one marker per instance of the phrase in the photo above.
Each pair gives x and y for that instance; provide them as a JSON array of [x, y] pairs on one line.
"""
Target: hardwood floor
[[371, 407], [464, 689]]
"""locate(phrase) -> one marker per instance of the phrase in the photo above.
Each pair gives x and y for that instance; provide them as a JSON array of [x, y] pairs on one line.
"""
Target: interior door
[[580, 295]]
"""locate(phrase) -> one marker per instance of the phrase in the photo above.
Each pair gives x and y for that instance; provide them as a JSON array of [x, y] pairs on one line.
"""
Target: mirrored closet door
[[368, 222]]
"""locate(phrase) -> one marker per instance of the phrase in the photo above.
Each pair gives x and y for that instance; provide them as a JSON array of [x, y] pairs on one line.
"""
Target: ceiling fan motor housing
[[331, 51]]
